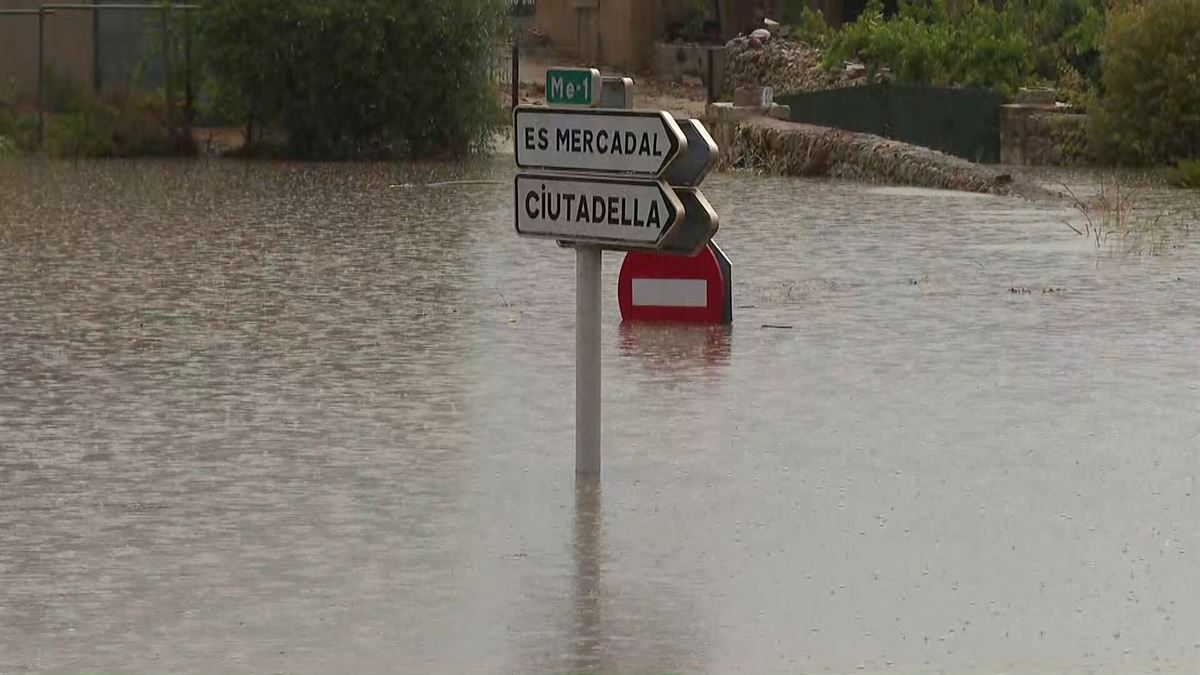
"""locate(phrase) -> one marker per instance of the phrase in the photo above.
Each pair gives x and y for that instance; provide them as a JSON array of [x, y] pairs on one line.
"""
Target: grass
[[8, 148], [1186, 174], [1112, 218]]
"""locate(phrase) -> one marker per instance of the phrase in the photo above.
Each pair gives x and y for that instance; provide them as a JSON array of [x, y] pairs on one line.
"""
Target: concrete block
[[1037, 135], [1045, 97], [754, 97], [780, 112], [725, 112]]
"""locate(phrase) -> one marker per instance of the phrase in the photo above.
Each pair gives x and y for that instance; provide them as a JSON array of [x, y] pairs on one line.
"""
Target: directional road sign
[[638, 142], [573, 86], [614, 212], [700, 223], [690, 168]]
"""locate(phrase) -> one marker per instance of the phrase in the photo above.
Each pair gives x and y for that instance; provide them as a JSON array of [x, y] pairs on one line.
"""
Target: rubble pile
[[786, 65]]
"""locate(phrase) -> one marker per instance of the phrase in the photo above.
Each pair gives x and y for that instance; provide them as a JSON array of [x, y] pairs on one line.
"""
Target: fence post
[[516, 74], [41, 76], [189, 102], [170, 93], [96, 47]]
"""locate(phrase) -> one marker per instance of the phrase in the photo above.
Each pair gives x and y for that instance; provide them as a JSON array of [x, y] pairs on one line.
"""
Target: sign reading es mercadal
[[639, 142], [573, 86]]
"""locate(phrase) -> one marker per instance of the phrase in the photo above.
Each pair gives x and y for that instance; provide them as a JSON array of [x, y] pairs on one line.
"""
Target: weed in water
[[1112, 219]]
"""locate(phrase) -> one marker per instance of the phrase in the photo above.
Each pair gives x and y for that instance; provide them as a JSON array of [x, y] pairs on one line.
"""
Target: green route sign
[[573, 86]]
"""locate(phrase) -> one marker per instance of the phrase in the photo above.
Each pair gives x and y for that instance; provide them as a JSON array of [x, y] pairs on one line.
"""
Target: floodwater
[[319, 418]]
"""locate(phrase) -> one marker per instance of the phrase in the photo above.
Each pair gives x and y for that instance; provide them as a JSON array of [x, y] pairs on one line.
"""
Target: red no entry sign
[[676, 288]]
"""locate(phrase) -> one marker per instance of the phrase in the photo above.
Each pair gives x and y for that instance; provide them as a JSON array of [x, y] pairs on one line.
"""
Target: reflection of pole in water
[[588, 638]]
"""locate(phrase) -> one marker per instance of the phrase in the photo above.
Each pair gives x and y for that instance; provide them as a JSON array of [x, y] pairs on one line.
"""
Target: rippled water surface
[[318, 418]]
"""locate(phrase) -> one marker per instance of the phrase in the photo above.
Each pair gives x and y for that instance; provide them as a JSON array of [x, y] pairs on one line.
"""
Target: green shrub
[[1186, 174], [8, 121], [1075, 89], [63, 94], [8, 148], [8, 134], [126, 124], [989, 51], [693, 22], [1061, 34], [86, 133], [370, 78], [26, 133], [139, 126], [1150, 108], [807, 23], [977, 46]]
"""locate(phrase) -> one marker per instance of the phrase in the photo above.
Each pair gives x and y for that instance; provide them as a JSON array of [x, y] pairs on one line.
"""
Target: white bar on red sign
[[670, 292]]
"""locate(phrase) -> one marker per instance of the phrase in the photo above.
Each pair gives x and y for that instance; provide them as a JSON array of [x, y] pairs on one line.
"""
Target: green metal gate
[[961, 122]]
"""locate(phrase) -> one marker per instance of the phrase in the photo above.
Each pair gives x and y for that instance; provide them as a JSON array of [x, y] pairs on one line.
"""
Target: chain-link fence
[[102, 46]]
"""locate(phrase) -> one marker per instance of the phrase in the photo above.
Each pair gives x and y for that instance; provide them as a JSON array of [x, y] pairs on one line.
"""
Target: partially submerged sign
[[639, 142], [618, 213], [573, 86], [696, 289], [622, 201]]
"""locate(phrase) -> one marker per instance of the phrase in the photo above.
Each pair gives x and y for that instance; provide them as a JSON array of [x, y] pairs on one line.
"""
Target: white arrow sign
[[615, 212], [641, 142]]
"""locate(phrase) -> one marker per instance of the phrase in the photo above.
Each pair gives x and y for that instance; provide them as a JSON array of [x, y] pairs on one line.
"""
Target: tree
[[1150, 59], [368, 78]]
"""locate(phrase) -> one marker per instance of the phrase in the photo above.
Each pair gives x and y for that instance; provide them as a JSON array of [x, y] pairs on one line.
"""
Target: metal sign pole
[[588, 301], [588, 261]]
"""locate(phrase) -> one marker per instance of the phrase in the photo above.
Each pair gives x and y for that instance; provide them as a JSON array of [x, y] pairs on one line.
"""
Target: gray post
[[617, 92], [588, 262], [41, 76]]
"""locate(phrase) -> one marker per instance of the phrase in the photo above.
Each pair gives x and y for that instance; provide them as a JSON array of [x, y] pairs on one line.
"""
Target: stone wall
[[787, 148], [1038, 135]]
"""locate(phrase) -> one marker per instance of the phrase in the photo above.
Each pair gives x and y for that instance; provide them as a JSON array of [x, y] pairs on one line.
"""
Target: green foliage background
[[968, 42], [1133, 64], [929, 42], [361, 79], [1150, 108]]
